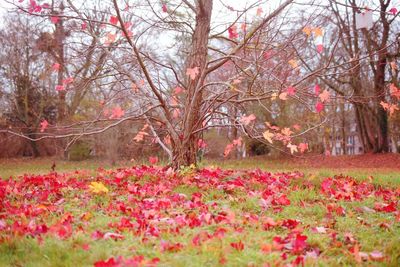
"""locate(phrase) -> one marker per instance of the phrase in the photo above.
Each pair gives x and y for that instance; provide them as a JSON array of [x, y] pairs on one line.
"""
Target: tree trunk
[[185, 149]]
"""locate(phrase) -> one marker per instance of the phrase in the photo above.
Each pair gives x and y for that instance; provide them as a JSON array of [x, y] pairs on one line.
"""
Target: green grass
[[365, 227]]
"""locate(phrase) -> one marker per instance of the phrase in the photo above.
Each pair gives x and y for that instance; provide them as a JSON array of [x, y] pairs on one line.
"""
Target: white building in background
[[353, 144]]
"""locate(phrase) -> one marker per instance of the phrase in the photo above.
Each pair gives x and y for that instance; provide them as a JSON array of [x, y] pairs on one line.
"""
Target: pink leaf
[[246, 120], [56, 67], [319, 107], [113, 20], [60, 88], [178, 90], [117, 113], [153, 160], [164, 8], [393, 10], [54, 19], [320, 48], [192, 72], [303, 147], [325, 96], [43, 125], [233, 34], [291, 90], [317, 89]]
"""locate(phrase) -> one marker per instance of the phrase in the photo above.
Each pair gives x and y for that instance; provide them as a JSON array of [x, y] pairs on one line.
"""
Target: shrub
[[256, 148]]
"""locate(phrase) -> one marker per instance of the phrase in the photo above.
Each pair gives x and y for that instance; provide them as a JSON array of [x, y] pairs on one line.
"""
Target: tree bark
[[185, 149]]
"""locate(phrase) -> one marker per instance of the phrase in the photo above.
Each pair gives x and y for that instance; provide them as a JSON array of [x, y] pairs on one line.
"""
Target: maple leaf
[[246, 120], [325, 96], [268, 136], [393, 10], [293, 63], [293, 148], [317, 32], [239, 246], [319, 107], [391, 108], [291, 90], [303, 147], [117, 113], [68, 80], [164, 8], [233, 34], [98, 188], [307, 31], [286, 131], [317, 89], [56, 67], [320, 48], [153, 160], [60, 87], [83, 26], [178, 90], [43, 125], [394, 91], [54, 19], [192, 72], [113, 20], [283, 96]]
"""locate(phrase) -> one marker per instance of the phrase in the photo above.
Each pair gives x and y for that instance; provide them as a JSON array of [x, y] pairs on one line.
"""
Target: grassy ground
[[218, 213]]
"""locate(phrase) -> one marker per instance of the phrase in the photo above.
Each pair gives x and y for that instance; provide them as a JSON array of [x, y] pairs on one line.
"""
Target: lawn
[[256, 212]]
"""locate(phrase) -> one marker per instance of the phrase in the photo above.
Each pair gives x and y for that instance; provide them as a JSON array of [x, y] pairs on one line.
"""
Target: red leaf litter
[[151, 207]]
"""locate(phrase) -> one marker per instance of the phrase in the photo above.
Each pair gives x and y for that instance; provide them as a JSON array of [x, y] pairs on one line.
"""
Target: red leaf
[[239, 246], [43, 125], [233, 34], [113, 20], [164, 8], [319, 107]]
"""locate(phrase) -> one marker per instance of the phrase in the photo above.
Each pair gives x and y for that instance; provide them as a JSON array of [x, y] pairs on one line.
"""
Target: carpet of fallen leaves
[[150, 216]]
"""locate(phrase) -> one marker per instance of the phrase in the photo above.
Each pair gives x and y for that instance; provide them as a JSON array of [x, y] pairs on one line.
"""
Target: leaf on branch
[[192, 72], [320, 48], [307, 31], [60, 88], [394, 91], [317, 89], [43, 125], [319, 107], [268, 136], [393, 10], [325, 96], [303, 147], [233, 34], [178, 90], [164, 8], [293, 63], [283, 96], [291, 91], [113, 20], [117, 113], [391, 108], [246, 120], [318, 32], [56, 67], [54, 19]]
